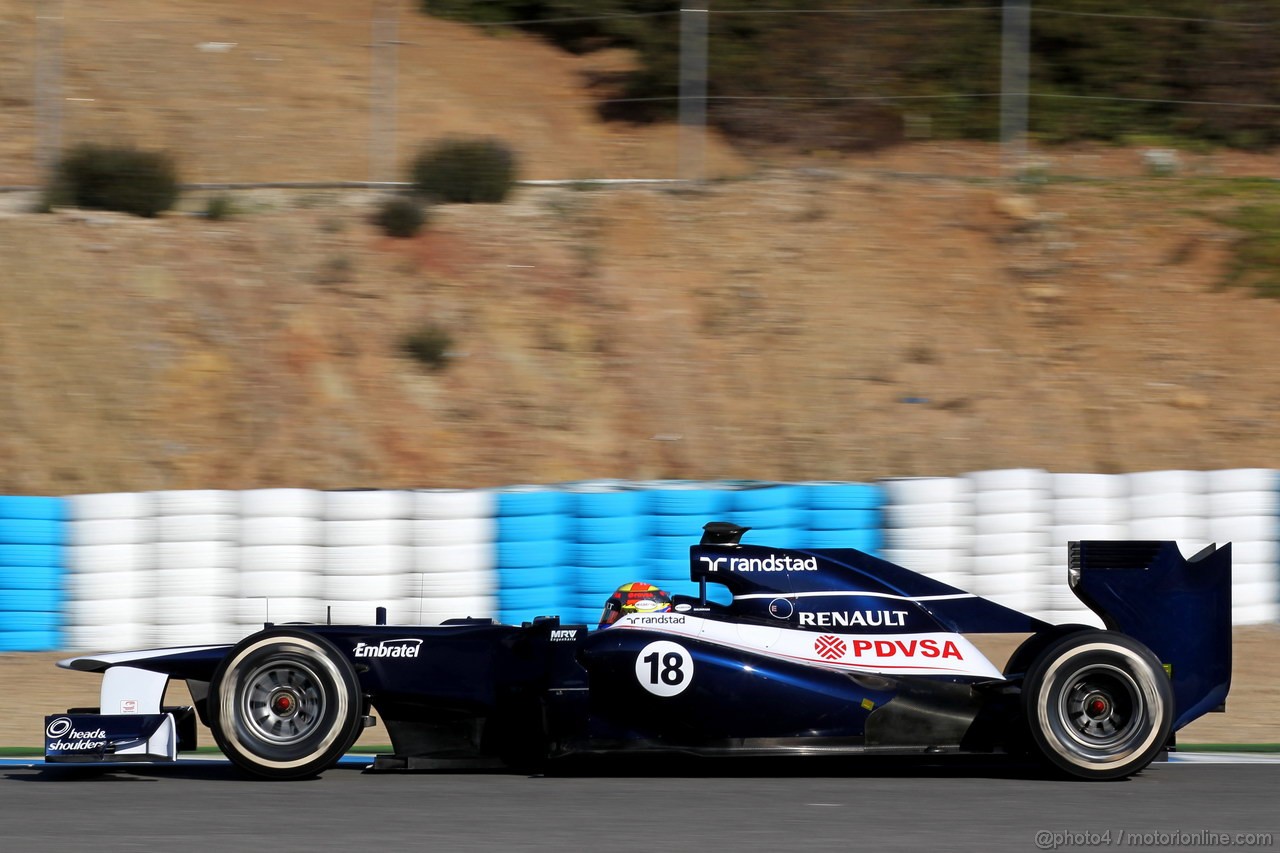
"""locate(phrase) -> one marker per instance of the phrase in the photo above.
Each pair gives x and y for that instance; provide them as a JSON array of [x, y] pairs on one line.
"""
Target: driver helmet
[[634, 597]]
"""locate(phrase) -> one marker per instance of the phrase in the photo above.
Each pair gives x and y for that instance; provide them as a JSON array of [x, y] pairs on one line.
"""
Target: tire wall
[[33, 533], [534, 529], [116, 571]]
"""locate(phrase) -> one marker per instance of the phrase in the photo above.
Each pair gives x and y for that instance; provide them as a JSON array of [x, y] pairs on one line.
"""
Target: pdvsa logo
[[402, 648], [926, 648], [829, 647]]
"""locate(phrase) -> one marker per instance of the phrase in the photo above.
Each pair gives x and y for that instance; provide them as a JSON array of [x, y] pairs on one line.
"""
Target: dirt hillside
[[889, 314], [792, 325], [306, 90]]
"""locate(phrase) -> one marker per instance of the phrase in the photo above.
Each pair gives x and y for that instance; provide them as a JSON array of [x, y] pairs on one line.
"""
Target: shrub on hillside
[[428, 345], [116, 177], [400, 217], [465, 170], [219, 207], [1256, 262]]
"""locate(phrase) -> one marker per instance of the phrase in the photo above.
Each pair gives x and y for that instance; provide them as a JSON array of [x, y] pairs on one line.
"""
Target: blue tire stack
[[32, 535], [608, 542], [843, 515], [675, 511], [532, 547]]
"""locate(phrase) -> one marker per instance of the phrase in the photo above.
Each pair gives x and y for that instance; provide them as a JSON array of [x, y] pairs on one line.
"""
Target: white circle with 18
[[664, 668]]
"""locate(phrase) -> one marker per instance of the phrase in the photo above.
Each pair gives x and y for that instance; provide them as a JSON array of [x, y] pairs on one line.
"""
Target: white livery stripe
[[936, 653], [850, 592]]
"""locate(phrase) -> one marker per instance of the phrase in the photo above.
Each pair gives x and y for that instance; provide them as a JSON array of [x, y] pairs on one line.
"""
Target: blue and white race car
[[819, 652]]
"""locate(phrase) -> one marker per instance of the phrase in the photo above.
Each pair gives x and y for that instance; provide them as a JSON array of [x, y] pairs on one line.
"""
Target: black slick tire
[[1097, 705], [285, 704]]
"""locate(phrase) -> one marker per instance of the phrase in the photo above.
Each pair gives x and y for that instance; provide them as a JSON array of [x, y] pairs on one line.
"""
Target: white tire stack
[[453, 558], [280, 558], [1243, 509], [366, 554], [1011, 517], [928, 525], [1084, 507], [109, 557], [1169, 505], [193, 577]]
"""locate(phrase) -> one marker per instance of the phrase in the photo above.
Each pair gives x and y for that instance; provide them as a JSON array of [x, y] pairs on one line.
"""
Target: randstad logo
[[771, 563]]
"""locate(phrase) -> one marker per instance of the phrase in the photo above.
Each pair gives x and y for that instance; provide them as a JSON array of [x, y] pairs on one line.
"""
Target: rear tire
[[1032, 647], [1098, 705], [285, 704]]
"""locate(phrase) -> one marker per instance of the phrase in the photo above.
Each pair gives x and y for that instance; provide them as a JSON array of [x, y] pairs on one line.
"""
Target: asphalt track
[[204, 805]]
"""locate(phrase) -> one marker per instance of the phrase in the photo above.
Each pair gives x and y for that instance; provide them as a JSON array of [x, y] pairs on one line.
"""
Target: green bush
[[116, 177], [219, 207], [465, 170], [400, 217], [429, 345], [1256, 261]]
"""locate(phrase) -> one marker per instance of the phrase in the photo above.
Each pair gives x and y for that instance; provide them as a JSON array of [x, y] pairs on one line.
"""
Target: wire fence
[[349, 91]]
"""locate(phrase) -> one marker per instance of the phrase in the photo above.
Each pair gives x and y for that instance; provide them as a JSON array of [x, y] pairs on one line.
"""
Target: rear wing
[[1178, 607]]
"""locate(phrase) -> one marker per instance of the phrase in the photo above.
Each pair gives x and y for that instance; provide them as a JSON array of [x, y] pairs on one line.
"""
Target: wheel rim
[[1100, 712], [282, 702]]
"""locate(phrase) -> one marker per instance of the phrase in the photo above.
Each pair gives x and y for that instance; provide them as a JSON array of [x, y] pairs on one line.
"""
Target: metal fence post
[[48, 80], [693, 90], [383, 71], [1015, 45]]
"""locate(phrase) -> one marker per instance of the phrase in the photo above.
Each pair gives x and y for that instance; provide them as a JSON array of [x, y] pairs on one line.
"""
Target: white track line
[[1224, 758]]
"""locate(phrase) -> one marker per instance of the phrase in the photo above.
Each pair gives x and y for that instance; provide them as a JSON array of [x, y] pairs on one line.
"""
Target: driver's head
[[634, 597]]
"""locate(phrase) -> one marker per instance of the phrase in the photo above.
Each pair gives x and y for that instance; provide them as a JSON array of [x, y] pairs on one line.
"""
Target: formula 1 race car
[[820, 652]]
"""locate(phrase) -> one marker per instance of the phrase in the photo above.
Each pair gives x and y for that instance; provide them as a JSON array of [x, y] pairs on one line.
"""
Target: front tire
[[285, 704], [1098, 705]]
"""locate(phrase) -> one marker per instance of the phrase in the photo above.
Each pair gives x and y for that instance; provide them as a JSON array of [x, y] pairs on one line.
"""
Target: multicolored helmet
[[634, 597]]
